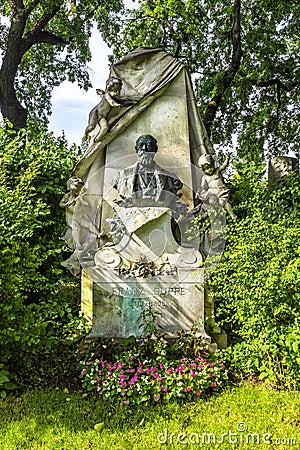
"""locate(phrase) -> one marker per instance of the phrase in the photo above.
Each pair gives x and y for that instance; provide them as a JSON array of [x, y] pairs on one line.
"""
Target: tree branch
[[228, 76], [32, 5], [279, 86], [17, 45], [16, 4], [177, 41], [278, 99], [33, 35], [272, 82], [49, 38]]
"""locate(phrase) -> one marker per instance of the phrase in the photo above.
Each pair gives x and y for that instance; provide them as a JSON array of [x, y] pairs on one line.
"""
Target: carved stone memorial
[[132, 200], [280, 167]]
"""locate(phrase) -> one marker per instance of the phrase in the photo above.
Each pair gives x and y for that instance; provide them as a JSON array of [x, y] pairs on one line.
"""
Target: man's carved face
[[146, 148]]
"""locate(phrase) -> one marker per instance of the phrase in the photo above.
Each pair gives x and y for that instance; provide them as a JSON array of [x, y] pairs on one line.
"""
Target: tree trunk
[[10, 106], [17, 45]]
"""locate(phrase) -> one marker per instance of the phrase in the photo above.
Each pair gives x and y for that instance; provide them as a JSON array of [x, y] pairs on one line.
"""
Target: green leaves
[[39, 301], [5, 383], [257, 282], [52, 47], [261, 104]]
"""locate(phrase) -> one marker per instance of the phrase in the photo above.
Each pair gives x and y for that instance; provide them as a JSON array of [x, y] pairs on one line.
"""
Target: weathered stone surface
[[282, 166], [117, 300], [134, 249]]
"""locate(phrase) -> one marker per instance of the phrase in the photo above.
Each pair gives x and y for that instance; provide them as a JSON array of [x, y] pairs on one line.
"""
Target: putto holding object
[[213, 190], [98, 115]]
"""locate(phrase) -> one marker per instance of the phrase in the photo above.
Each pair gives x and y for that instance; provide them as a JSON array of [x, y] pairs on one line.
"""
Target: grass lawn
[[243, 417]]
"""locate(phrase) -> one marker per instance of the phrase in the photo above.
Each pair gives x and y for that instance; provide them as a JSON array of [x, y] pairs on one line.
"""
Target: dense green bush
[[257, 283], [39, 300]]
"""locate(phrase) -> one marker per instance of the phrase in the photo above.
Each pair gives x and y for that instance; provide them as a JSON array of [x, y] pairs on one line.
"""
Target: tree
[[244, 57], [45, 43]]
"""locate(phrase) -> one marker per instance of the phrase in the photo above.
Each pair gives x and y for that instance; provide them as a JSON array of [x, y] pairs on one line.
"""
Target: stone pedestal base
[[115, 311]]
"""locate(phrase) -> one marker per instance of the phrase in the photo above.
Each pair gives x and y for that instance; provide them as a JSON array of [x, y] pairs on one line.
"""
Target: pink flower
[[198, 393], [131, 358], [133, 380], [83, 372], [126, 402], [188, 389], [214, 384], [169, 371]]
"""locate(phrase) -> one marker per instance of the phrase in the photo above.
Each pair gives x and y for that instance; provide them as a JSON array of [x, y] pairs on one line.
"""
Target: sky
[[70, 104]]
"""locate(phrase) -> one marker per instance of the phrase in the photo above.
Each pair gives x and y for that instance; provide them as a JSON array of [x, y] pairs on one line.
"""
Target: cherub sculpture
[[213, 189], [75, 187], [98, 115]]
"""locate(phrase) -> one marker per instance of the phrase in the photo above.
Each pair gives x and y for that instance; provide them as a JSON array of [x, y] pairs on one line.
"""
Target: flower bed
[[130, 380]]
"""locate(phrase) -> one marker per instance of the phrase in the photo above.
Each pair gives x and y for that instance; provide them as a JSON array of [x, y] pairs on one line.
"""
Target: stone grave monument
[[131, 202], [280, 167]]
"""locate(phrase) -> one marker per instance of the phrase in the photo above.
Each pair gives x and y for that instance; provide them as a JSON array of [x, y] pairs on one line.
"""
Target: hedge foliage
[[39, 300], [257, 283]]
